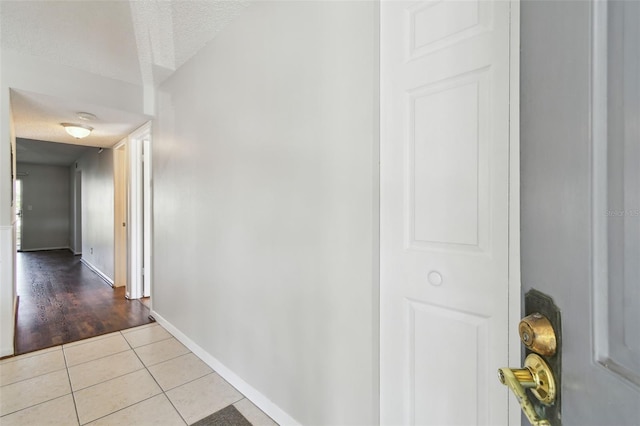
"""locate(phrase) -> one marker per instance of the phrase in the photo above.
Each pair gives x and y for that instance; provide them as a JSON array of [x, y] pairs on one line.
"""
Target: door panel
[[463, 333], [444, 211], [579, 153], [619, 344], [447, 142]]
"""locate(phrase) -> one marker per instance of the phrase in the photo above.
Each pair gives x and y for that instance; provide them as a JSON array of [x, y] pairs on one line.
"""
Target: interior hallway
[[139, 376], [61, 300]]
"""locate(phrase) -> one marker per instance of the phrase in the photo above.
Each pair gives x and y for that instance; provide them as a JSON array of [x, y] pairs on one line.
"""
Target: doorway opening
[[61, 299]]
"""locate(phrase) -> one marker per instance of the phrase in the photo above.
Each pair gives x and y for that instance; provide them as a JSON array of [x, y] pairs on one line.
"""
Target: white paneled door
[[444, 211]]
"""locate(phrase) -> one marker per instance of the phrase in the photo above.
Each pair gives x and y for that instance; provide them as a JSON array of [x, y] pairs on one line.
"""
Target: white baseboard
[[261, 401], [75, 253], [46, 248], [97, 271]]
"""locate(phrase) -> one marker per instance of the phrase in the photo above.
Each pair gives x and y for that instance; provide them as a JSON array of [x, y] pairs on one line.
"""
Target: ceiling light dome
[[78, 131]]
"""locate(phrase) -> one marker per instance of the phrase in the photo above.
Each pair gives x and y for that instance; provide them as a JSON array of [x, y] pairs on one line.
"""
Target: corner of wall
[[272, 410]]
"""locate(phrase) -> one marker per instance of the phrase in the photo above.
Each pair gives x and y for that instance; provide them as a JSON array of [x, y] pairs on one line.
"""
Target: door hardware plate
[[545, 389], [537, 302]]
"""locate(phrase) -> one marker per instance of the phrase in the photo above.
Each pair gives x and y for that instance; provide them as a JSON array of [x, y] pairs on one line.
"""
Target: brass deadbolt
[[536, 332]]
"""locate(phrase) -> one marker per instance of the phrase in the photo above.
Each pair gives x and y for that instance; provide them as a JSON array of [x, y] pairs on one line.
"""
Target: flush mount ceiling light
[[78, 131]]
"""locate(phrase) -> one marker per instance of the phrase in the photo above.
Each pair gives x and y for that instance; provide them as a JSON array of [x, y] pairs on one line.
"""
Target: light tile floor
[[139, 376]]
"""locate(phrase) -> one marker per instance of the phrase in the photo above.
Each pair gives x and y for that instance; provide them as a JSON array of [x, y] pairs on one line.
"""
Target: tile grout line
[[118, 410], [144, 367], [131, 348], [164, 392], [19, 357], [157, 341], [122, 334], [79, 343], [73, 395], [190, 381], [33, 377], [96, 359], [89, 340], [122, 375], [66, 368], [158, 384], [166, 360], [34, 405], [107, 380]]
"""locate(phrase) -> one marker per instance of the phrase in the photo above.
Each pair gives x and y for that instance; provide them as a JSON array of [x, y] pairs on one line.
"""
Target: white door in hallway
[[444, 212], [120, 214]]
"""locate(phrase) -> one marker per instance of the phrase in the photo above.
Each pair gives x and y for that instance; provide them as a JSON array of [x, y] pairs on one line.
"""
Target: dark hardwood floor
[[61, 301]]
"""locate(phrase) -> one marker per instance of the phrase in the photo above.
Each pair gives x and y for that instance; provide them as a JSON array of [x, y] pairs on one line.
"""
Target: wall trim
[[46, 248], [97, 271], [515, 286], [257, 398]]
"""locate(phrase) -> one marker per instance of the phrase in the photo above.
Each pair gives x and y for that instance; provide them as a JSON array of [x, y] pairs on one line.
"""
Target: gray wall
[[265, 204], [97, 210], [45, 218]]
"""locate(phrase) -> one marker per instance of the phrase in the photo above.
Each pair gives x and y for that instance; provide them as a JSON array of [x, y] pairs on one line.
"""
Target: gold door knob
[[536, 332], [536, 376]]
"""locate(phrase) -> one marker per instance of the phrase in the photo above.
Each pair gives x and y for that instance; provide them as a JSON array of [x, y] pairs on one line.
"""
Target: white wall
[[45, 206], [98, 210], [33, 74], [265, 204]]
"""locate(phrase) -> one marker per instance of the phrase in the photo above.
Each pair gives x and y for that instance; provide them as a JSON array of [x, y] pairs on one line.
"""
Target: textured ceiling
[[90, 35], [138, 41], [168, 33]]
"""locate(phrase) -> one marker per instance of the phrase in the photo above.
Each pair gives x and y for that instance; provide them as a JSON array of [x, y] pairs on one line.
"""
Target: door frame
[[516, 306], [18, 211], [139, 213], [120, 204]]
